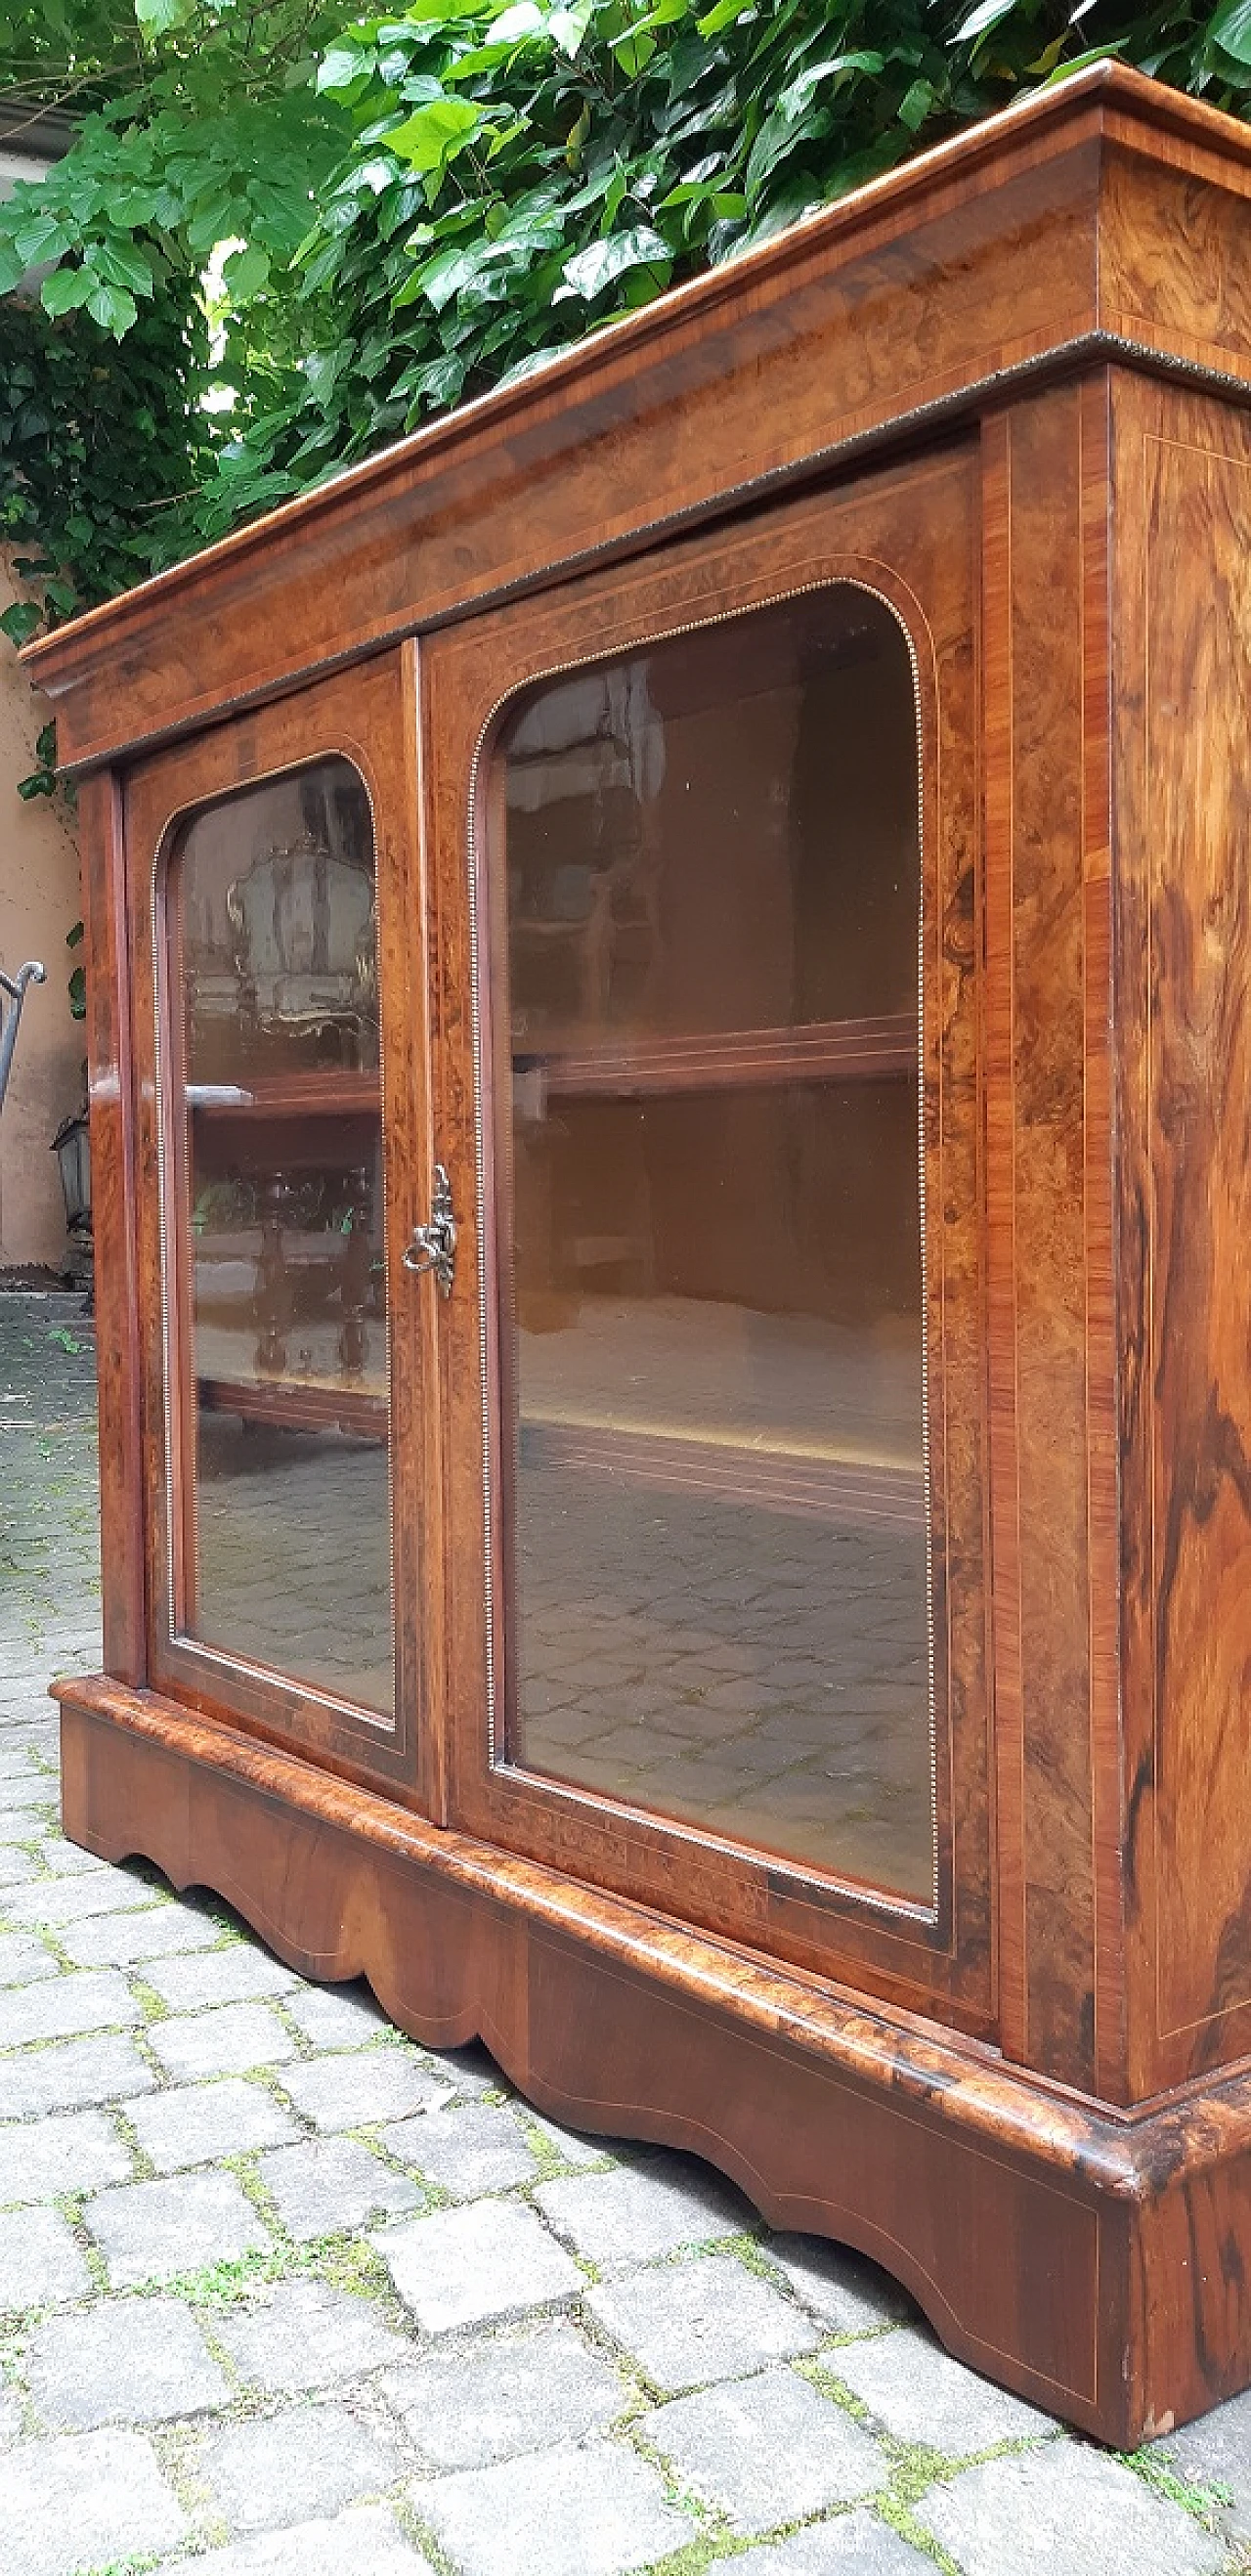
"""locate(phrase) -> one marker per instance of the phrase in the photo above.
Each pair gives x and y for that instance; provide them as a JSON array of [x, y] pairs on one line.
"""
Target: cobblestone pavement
[[283, 2295]]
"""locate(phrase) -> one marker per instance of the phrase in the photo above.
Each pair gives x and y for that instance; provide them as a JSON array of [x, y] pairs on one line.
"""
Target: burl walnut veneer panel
[[1182, 623]]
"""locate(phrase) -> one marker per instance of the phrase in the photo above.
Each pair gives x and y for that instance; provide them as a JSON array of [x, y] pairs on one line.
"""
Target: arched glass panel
[[281, 1477], [713, 1331]]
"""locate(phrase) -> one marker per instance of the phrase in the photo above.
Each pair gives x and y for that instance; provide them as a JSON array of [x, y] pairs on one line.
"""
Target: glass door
[[286, 1064], [714, 1324], [718, 864], [276, 1190]]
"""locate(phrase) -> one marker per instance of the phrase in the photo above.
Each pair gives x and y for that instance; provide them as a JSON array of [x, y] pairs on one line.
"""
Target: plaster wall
[[39, 902]]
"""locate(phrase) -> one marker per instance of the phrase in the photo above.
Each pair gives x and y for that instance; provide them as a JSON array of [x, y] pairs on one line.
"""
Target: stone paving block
[[369, 2084], [766, 2450], [40, 2264], [24, 1821], [68, 1860], [849, 2294], [366, 2541], [467, 2151], [55, 1901], [464, 2267], [856, 2540], [527, 2388], [74, 2072], [636, 2212], [133, 2361], [85, 2500], [471, 2071], [226, 2041], [300, 2334], [570, 2145], [67, 2007], [920, 2394], [123, 1940], [1064, 2511], [328, 2184], [196, 2123], [1217, 2452], [337, 2016], [308, 2461], [79, 2151], [236, 1975], [24, 1782], [688, 2323], [16, 1759], [590, 2510], [23, 1959], [153, 2231], [16, 1869]]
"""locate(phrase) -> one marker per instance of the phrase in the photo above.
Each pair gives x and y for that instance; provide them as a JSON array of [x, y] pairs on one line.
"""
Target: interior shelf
[[298, 1404], [866, 1050], [332, 1091], [835, 1483]]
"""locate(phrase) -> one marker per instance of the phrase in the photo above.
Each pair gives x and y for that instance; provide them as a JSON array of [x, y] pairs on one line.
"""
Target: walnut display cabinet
[[670, 1025]]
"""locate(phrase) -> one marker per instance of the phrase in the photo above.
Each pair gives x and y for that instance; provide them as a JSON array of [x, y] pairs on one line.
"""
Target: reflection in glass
[[278, 1197], [714, 1326]]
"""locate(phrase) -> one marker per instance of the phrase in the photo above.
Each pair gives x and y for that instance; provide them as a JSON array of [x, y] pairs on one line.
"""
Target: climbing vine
[[286, 233]]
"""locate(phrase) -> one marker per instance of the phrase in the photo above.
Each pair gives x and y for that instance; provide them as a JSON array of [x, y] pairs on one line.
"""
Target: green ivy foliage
[[409, 209], [101, 445]]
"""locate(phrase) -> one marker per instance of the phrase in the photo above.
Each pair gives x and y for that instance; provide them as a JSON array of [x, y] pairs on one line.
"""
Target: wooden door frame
[[910, 535], [367, 717]]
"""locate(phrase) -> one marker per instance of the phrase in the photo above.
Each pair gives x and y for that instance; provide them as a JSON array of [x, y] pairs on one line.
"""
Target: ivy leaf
[[112, 307], [66, 290], [343, 66], [160, 17], [602, 262], [1231, 30], [21, 621], [246, 272], [12, 269], [567, 27], [45, 238], [515, 24], [430, 137], [915, 105], [121, 265], [988, 14]]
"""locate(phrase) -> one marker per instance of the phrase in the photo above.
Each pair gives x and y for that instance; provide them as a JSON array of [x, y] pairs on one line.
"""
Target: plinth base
[[1096, 2262]]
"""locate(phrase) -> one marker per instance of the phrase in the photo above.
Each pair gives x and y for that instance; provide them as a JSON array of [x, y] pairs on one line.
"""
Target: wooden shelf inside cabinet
[[864, 1050], [297, 1120], [847, 1486], [333, 1093], [298, 1406]]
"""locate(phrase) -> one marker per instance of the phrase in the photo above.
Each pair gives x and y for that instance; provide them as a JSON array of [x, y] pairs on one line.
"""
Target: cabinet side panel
[[1036, 945], [109, 1078], [1183, 503]]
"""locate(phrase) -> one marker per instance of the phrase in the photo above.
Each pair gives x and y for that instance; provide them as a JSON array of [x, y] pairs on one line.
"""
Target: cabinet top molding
[[1102, 221]]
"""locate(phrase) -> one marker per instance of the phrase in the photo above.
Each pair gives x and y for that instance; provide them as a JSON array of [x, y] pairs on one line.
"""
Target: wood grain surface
[[1183, 806], [111, 1092]]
